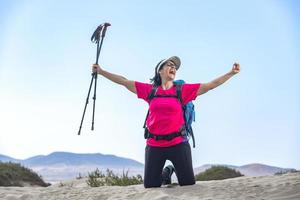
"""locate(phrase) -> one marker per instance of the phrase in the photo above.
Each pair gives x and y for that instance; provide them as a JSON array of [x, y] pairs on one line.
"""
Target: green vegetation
[[217, 173], [97, 178], [13, 174]]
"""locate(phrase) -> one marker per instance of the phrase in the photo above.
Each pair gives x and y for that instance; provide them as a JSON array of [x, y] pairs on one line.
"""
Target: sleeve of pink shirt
[[189, 92], [142, 90]]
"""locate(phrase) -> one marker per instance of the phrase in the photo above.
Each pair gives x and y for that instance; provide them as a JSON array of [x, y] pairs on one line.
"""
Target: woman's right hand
[[96, 68]]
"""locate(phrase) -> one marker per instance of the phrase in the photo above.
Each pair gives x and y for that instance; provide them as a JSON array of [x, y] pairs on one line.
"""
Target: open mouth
[[172, 72]]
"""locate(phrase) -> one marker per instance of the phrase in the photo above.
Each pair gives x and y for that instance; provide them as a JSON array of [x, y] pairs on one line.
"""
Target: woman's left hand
[[235, 68]]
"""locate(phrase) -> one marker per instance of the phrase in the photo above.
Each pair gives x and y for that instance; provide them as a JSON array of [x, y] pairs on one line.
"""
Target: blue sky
[[46, 57]]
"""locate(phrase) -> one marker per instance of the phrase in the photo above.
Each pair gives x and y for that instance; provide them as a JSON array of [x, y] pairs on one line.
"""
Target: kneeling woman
[[166, 119]]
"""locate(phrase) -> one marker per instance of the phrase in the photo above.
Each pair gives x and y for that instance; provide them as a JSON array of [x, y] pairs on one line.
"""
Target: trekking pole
[[98, 33], [96, 39]]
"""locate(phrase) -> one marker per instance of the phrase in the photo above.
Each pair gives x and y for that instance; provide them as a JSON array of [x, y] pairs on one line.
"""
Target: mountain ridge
[[4, 158], [68, 158]]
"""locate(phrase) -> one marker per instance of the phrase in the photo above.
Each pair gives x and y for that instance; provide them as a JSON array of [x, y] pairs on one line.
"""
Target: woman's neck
[[166, 84]]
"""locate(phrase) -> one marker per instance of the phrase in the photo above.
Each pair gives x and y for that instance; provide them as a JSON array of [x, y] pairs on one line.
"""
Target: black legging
[[181, 157]]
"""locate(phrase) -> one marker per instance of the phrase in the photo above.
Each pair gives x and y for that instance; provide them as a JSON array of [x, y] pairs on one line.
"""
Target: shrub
[[13, 174], [286, 171], [217, 173], [97, 178]]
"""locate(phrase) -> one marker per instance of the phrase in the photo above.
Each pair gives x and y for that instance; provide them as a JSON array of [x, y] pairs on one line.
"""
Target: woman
[[166, 118]]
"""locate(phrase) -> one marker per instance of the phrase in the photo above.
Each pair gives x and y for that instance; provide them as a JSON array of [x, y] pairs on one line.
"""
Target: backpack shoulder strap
[[179, 92], [150, 97], [152, 92]]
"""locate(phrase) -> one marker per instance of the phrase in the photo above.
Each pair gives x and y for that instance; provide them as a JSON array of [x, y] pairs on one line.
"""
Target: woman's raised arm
[[130, 85], [205, 87]]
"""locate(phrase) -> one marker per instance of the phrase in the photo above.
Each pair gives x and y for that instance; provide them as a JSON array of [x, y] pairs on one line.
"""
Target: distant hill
[[59, 166], [255, 169], [66, 158], [4, 158]]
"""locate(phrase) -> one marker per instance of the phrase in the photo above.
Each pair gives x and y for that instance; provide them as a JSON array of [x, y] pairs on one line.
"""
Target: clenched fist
[[235, 68], [96, 69]]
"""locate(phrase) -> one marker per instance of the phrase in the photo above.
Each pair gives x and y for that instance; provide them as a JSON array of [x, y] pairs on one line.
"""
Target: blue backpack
[[188, 111]]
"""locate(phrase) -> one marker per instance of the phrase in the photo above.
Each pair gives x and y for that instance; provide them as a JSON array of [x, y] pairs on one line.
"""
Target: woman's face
[[168, 71]]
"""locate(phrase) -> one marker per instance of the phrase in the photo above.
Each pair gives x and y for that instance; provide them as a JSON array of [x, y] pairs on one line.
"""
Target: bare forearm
[[113, 77], [130, 85], [219, 81]]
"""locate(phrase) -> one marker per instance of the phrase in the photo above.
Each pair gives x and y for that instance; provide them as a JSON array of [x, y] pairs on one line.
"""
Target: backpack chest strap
[[177, 95]]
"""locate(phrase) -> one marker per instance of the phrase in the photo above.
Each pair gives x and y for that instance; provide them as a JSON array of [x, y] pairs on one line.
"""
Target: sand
[[275, 187]]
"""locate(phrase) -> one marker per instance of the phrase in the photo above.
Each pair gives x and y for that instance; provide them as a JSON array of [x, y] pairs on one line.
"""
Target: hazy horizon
[[230, 164]]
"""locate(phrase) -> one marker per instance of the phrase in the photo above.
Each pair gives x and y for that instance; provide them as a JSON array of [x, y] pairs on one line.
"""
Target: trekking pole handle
[[105, 25]]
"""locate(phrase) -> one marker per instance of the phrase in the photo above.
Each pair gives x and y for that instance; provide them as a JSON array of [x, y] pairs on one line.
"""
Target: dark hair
[[156, 80]]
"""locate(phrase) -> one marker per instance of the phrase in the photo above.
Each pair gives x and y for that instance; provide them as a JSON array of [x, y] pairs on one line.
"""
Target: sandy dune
[[281, 187]]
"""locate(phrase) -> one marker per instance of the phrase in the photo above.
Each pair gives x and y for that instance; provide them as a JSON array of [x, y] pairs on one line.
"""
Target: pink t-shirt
[[165, 113]]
